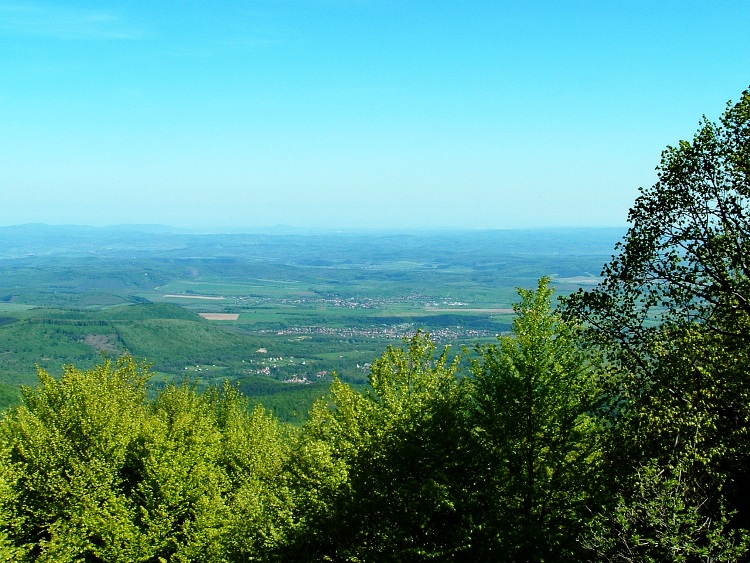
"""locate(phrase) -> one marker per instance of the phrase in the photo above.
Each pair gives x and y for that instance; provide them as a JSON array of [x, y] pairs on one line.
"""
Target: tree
[[535, 397], [396, 464], [685, 257], [254, 452], [662, 519], [91, 469], [66, 446], [672, 313], [676, 453]]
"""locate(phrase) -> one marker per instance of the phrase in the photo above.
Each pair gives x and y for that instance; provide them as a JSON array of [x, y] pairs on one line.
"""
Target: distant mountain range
[[121, 240]]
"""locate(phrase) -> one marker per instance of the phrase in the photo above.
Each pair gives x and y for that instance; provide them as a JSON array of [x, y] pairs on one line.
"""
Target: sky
[[341, 114]]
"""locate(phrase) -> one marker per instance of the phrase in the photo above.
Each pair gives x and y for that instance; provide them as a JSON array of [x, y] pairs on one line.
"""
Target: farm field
[[275, 313]]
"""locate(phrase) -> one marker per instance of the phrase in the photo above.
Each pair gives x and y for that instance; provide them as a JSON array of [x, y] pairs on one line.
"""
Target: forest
[[610, 424]]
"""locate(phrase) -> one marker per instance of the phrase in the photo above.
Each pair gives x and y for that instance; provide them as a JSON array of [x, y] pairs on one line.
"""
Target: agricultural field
[[275, 313]]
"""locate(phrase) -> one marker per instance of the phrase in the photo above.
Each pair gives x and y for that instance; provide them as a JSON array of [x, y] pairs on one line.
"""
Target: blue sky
[[345, 114]]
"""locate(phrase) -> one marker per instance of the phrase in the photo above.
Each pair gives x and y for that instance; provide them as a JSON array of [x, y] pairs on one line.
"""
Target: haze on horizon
[[374, 114]]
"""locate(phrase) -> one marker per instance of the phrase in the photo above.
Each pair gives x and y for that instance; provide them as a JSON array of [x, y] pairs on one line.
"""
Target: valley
[[275, 313]]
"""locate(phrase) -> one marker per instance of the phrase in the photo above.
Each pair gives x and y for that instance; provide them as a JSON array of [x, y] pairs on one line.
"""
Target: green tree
[[685, 257], [92, 470], [65, 448], [174, 479], [676, 453], [535, 395], [661, 519], [393, 464], [255, 449], [672, 313], [9, 520]]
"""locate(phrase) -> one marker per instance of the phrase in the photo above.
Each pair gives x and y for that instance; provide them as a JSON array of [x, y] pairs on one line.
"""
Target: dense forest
[[611, 426]]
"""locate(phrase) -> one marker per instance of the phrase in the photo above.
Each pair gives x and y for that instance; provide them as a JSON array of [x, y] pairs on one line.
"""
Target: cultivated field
[[220, 316]]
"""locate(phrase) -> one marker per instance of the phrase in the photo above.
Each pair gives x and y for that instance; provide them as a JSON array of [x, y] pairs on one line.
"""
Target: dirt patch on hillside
[[102, 342]]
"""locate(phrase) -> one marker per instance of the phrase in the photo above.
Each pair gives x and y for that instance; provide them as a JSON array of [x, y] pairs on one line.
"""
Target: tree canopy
[[672, 314], [92, 470], [684, 258], [534, 400]]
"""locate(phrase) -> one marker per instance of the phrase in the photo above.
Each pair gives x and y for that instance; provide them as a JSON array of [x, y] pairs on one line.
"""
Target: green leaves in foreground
[[672, 314], [535, 396], [93, 471], [401, 454], [503, 465]]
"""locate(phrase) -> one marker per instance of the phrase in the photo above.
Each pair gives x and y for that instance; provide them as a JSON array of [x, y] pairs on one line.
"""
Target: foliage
[[400, 459], [685, 257], [661, 520], [672, 314], [535, 394], [677, 453], [95, 471]]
